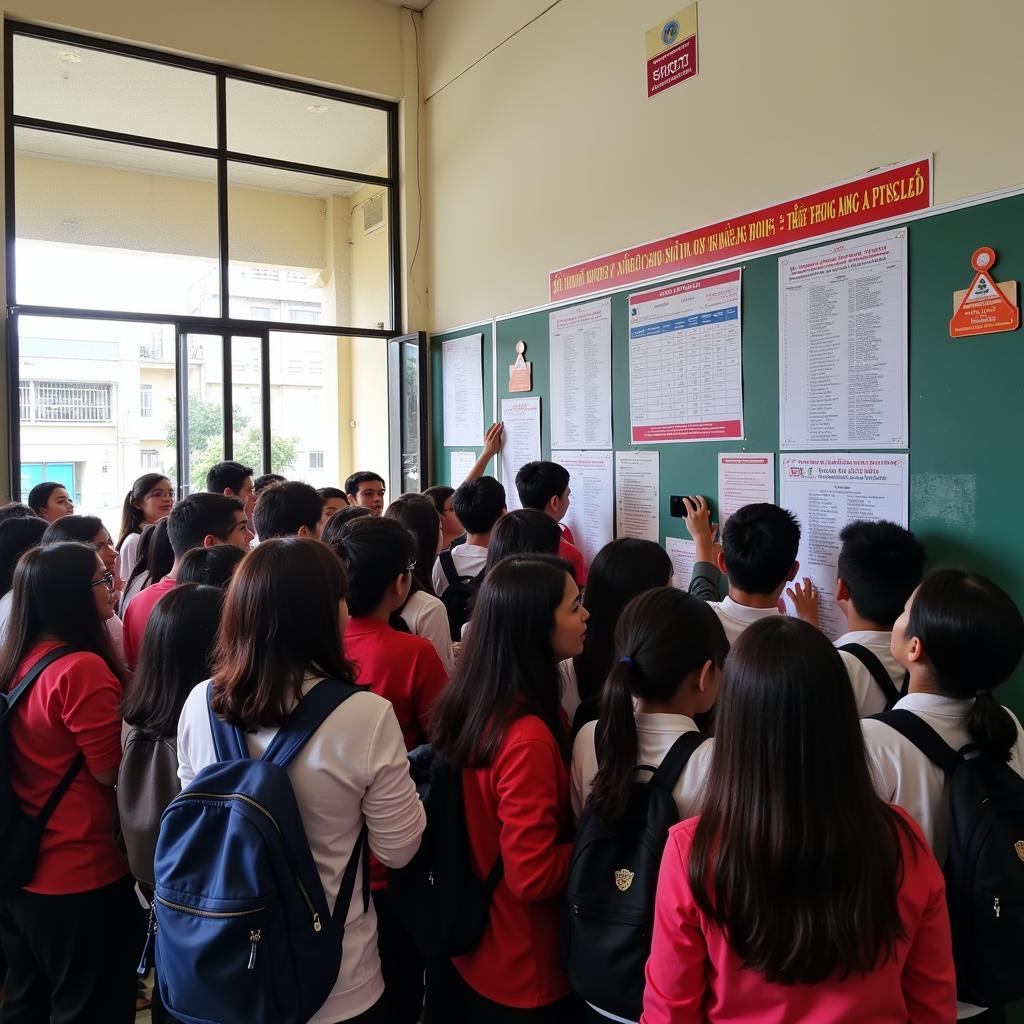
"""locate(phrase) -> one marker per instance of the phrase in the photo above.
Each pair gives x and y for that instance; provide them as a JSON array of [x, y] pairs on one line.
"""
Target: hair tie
[[627, 660]]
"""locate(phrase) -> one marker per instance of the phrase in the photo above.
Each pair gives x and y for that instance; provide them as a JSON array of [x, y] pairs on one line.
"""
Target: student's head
[[204, 519], [333, 499], [621, 570], [441, 495], [669, 651], [795, 856], [176, 655], [522, 532], [290, 509], [16, 537], [234, 480], [366, 489], [879, 566], [85, 530], [759, 546], [50, 501], [150, 499], [155, 555], [284, 616], [338, 524], [544, 486], [16, 510], [419, 516], [379, 557], [261, 483], [212, 567], [527, 618], [968, 635], [479, 504]]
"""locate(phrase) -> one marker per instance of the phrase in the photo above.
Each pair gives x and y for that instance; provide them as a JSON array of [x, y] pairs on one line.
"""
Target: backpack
[[441, 902], [458, 596], [240, 923], [613, 877], [874, 665], [985, 864], [22, 833]]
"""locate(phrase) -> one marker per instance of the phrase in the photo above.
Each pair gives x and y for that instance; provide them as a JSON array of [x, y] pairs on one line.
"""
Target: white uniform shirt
[[866, 692], [735, 617], [352, 769], [425, 616], [469, 560], [570, 691]]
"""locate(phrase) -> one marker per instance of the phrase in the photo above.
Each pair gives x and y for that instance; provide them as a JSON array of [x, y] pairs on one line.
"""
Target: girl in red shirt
[[797, 894], [500, 720]]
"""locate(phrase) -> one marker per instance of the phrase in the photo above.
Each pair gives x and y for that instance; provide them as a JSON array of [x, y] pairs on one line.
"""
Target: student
[[500, 721], [622, 569], [797, 894], [523, 531], [281, 634], [545, 487], [451, 529], [16, 510], [959, 636], [880, 564], [150, 500], [333, 499], [338, 524], [366, 489], [234, 480], [261, 483], [50, 501], [72, 935], [212, 567], [200, 520], [154, 561], [758, 554], [290, 509], [16, 537], [479, 504]]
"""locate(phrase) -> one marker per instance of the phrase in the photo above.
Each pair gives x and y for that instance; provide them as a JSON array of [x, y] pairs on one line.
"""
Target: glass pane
[[306, 248], [412, 475], [205, 407], [246, 402], [97, 406], [106, 226], [289, 125], [66, 82]]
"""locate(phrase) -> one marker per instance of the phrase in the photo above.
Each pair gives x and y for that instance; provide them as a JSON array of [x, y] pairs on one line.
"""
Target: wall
[[548, 150]]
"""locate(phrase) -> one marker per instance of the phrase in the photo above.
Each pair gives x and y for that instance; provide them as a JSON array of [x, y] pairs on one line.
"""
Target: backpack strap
[[360, 856], [872, 663], [308, 715], [672, 764], [924, 737], [451, 574], [228, 740]]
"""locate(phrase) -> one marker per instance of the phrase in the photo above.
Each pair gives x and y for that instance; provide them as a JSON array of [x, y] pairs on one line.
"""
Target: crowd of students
[[802, 882]]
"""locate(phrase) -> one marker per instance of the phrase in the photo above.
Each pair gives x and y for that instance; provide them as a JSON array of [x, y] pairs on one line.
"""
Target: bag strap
[[228, 740], [308, 715], [451, 574], [924, 737], [360, 856], [872, 663], [13, 696], [672, 764]]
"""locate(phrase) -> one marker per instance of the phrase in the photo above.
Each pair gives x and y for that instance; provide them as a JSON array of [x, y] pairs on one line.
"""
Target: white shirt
[[735, 617], [128, 555], [136, 586], [570, 691], [353, 769], [469, 560], [425, 616], [866, 692], [655, 734]]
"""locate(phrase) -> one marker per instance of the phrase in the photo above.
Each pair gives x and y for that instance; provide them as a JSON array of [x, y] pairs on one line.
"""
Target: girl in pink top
[[797, 894]]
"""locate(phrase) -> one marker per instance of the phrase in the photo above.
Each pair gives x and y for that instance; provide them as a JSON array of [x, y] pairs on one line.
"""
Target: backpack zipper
[[254, 941], [206, 913], [995, 906], [273, 821]]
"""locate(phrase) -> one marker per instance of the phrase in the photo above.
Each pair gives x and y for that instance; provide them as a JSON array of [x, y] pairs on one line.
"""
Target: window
[[149, 458], [316, 460], [62, 401], [304, 315], [259, 312], [146, 400]]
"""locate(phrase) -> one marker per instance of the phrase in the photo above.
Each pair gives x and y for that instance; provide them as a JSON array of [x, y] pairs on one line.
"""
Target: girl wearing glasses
[[150, 500]]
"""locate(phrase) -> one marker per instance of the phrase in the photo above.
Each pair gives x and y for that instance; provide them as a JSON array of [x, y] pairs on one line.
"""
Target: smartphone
[[677, 506]]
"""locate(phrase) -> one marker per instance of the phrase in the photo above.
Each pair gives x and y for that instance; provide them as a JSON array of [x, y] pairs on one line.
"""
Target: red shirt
[[694, 975], [72, 708], [519, 806], [570, 553], [136, 616]]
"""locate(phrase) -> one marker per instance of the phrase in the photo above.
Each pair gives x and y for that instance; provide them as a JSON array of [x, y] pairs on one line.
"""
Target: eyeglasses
[[106, 580]]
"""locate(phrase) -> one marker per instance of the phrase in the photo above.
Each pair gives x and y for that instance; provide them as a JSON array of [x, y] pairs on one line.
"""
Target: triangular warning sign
[[984, 308], [983, 289]]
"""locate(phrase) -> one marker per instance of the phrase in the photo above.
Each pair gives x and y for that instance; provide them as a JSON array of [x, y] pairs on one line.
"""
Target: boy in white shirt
[[478, 504]]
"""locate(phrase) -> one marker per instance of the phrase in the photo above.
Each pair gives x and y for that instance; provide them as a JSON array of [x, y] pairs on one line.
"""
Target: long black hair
[[794, 854], [662, 636], [156, 556], [524, 531], [973, 638], [419, 516], [132, 517], [16, 537], [507, 668], [82, 529]]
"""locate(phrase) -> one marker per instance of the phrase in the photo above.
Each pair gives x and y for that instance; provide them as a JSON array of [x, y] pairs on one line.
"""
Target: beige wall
[[548, 150]]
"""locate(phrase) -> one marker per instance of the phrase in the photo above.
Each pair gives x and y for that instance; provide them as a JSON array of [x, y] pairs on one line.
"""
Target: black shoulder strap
[[924, 737], [451, 574], [360, 856], [673, 763], [307, 716], [871, 662]]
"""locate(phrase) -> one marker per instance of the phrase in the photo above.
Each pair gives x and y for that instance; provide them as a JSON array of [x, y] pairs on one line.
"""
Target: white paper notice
[[590, 505], [843, 345], [686, 361], [825, 492], [637, 489], [684, 556], [581, 376], [462, 387], [744, 478], [462, 463], [521, 442]]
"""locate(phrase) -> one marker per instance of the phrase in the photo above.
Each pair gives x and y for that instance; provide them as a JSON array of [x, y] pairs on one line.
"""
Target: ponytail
[[130, 516], [991, 727], [616, 744]]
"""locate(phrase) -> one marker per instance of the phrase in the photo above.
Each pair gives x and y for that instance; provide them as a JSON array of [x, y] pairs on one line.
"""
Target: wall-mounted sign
[[672, 51], [520, 373], [986, 307]]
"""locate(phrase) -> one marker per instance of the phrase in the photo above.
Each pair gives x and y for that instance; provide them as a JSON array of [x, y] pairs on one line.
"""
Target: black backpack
[[872, 663], [984, 866], [613, 877], [439, 898], [22, 833], [458, 596]]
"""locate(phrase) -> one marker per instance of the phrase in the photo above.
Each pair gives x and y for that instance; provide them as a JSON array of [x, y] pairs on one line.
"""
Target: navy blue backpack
[[240, 923]]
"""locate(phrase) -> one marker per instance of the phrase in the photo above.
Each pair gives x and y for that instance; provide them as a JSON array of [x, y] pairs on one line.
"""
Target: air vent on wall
[[373, 213]]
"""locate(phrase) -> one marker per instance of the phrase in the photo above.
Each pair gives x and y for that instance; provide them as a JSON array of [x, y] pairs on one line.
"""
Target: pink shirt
[[136, 616], [694, 975]]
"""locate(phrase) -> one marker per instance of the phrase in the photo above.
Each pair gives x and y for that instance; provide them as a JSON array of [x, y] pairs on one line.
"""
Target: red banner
[[892, 192]]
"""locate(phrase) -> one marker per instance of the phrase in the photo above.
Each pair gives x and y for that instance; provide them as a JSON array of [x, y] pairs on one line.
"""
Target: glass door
[[407, 412]]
